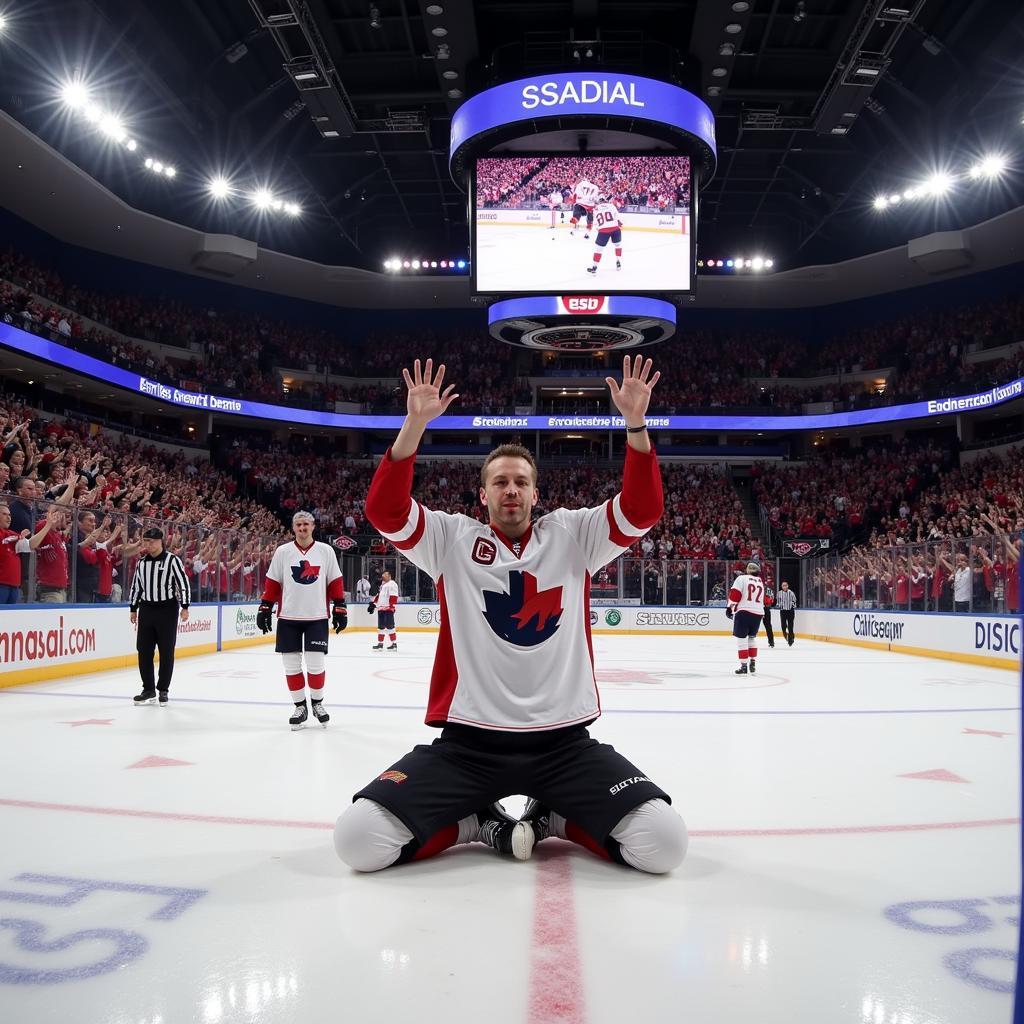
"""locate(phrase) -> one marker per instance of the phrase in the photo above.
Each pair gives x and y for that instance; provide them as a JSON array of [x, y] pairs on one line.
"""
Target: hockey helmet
[[753, 568]]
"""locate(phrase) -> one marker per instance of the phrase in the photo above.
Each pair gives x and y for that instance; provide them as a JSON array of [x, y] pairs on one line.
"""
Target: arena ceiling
[[805, 139]]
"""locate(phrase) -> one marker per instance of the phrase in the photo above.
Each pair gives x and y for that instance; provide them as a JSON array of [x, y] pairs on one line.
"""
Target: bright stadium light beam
[[74, 95], [262, 199], [881, 202], [292, 209], [219, 188], [938, 184], [991, 166]]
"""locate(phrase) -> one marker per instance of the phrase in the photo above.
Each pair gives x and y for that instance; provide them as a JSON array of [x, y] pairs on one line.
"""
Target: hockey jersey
[[514, 651], [302, 582], [606, 218], [747, 594], [387, 597], [586, 194]]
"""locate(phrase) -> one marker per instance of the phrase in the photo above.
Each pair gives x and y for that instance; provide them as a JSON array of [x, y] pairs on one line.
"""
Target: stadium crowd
[[249, 356]]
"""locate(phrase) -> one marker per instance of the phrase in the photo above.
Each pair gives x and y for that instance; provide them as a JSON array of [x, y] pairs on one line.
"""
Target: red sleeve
[[88, 555], [642, 500], [390, 496], [734, 596], [336, 589], [271, 590]]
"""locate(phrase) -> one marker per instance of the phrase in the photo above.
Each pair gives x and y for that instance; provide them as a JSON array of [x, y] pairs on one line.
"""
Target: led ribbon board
[[166, 394]]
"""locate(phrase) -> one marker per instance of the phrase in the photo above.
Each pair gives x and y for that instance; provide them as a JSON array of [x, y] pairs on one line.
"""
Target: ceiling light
[[989, 167], [131, 145], [757, 263], [435, 9], [881, 202], [719, 72], [433, 264], [329, 133], [92, 112], [938, 184], [170, 171], [415, 264], [306, 76], [741, 7], [727, 49], [439, 31], [769, 264], [450, 75], [462, 264], [158, 167], [841, 129], [219, 188], [405, 264], [734, 28], [911, 193], [74, 94], [895, 198], [262, 199], [454, 94], [149, 162], [3, 23], [869, 72], [714, 90], [292, 209], [277, 204]]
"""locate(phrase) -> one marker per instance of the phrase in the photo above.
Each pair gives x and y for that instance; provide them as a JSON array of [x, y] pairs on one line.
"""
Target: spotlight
[[170, 171], [461, 264], [219, 188], [3, 28], [415, 264], [433, 264], [444, 264], [938, 184], [728, 263], [757, 262], [912, 193], [277, 204], [158, 167], [737, 262], [769, 264], [405, 264], [131, 145], [93, 112], [895, 198], [262, 199], [989, 167], [112, 127], [881, 202], [292, 209], [74, 95], [149, 162]]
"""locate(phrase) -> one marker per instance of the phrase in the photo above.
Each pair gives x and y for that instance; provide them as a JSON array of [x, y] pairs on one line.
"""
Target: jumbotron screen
[[558, 224]]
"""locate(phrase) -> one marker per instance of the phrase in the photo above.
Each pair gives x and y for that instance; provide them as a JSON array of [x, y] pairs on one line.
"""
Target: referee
[[785, 601], [158, 587]]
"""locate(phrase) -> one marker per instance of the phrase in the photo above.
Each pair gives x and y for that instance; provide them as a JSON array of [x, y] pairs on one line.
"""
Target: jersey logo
[[525, 616], [305, 573], [484, 551]]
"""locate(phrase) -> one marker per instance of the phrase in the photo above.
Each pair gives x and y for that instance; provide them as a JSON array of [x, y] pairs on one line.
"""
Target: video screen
[[561, 224]]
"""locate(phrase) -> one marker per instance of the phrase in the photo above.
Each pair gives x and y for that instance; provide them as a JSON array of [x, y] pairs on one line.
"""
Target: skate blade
[[142, 703], [296, 728]]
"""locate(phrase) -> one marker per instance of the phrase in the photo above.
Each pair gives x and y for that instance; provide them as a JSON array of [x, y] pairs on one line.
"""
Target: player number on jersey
[[604, 218], [755, 592]]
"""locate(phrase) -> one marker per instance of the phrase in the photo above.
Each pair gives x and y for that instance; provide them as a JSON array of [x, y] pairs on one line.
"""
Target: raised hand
[[634, 394], [426, 400]]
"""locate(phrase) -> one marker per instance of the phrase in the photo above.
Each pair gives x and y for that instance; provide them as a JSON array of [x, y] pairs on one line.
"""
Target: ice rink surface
[[854, 851], [544, 259]]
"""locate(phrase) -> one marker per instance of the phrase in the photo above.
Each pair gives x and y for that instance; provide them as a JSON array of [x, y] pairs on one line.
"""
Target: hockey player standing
[[746, 609], [609, 228], [303, 577], [554, 201], [384, 604], [513, 684], [584, 197]]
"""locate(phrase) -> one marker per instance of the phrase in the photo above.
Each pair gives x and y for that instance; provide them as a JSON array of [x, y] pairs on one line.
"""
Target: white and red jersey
[[747, 594], [585, 194], [514, 652], [555, 199], [387, 597], [304, 581], [606, 218]]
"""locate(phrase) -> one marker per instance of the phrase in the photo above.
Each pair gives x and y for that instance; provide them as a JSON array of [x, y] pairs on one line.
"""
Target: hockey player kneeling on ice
[[512, 687], [746, 609], [303, 577]]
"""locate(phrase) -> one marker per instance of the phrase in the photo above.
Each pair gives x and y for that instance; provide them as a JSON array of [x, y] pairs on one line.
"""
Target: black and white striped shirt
[[785, 600], [159, 578]]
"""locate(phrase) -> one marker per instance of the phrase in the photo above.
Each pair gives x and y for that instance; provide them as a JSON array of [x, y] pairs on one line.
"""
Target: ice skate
[[742, 670], [144, 698], [592, 270], [319, 713], [377, 647], [501, 832], [393, 647], [299, 716], [162, 699]]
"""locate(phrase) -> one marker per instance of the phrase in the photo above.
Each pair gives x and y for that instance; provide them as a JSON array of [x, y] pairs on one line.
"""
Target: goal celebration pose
[[513, 686]]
